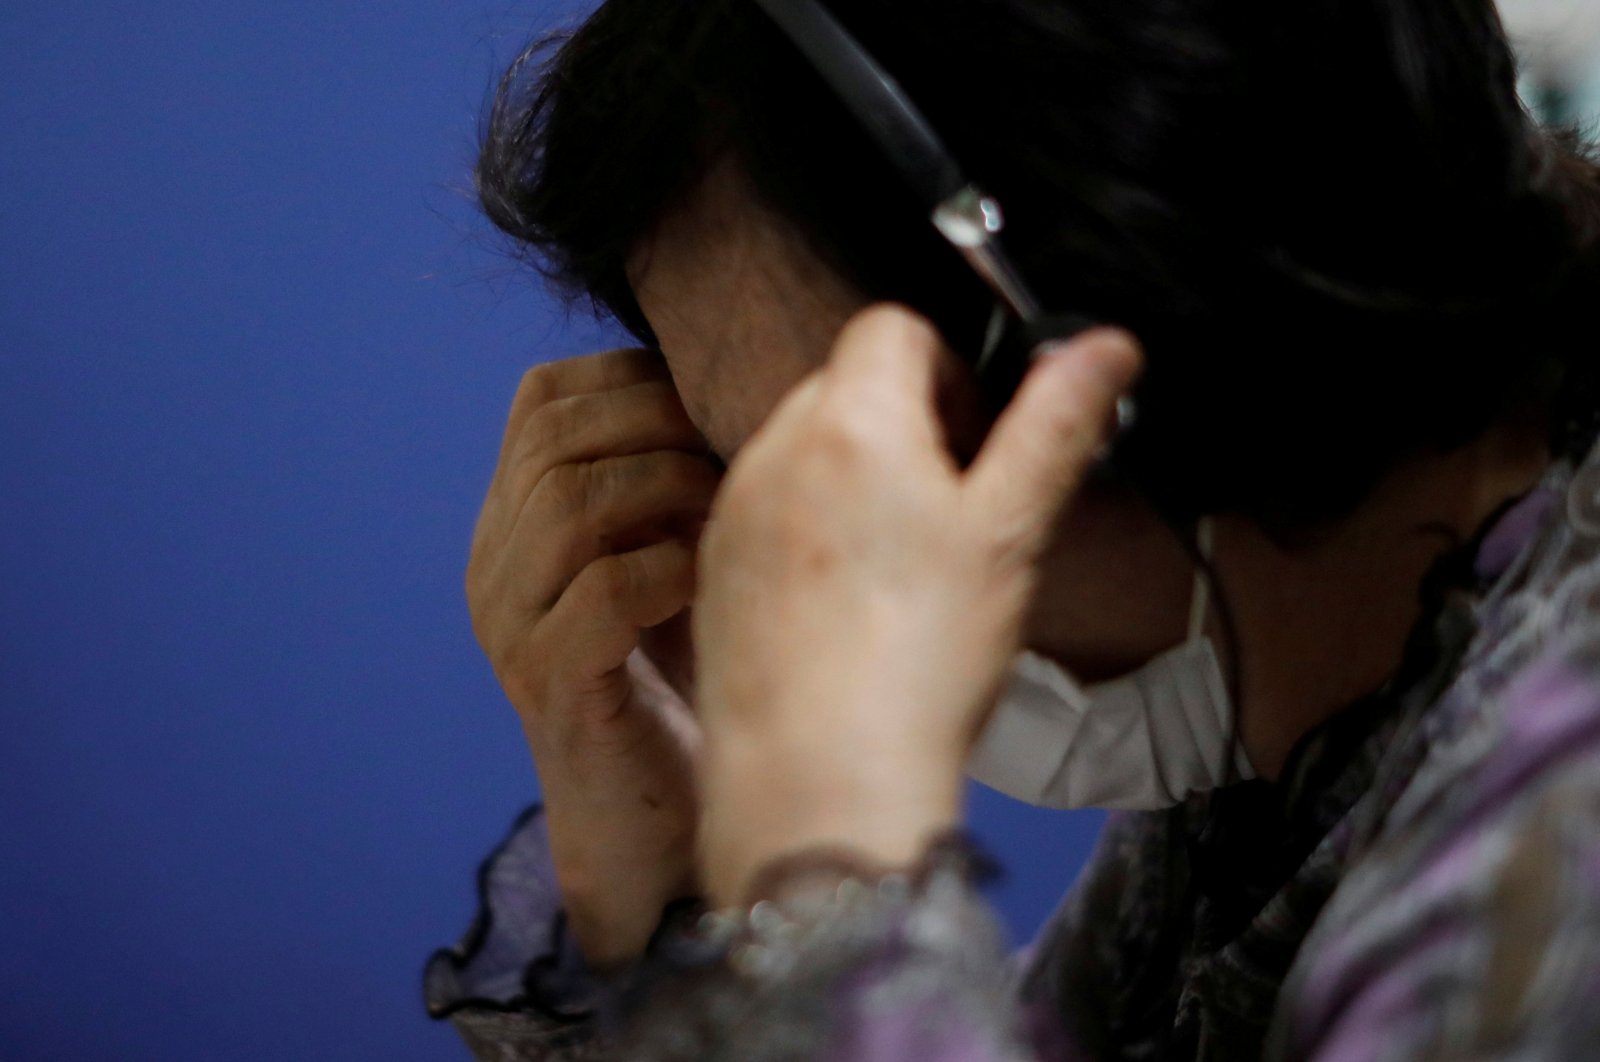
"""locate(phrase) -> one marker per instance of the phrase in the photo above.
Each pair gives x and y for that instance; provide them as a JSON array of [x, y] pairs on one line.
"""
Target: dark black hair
[[1336, 230]]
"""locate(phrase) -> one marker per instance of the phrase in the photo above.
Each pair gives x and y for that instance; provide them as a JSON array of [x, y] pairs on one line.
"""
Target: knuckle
[[539, 386], [543, 428], [609, 579], [535, 443], [843, 437], [847, 427], [567, 488], [606, 508]]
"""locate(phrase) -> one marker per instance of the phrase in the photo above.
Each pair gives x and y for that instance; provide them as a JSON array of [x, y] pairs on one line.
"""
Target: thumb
[[1046, 439]]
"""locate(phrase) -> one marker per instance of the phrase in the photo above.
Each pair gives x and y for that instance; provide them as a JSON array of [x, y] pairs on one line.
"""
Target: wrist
[[761, 807]]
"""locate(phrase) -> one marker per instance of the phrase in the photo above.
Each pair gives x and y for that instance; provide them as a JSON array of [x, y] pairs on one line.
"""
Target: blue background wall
[[254, 356]]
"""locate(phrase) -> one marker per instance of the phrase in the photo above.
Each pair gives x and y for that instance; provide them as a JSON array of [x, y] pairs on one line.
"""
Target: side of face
[[743, 308]]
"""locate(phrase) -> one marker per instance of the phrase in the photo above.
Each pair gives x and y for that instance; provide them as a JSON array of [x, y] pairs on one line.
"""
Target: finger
[[1045, 440], [886, 362], [587, 374], [637, 419], [596, 624], [580, 512], [577, 514], [670, 649]]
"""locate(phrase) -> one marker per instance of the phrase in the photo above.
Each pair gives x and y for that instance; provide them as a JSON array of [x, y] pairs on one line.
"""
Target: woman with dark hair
[[1335, 588]]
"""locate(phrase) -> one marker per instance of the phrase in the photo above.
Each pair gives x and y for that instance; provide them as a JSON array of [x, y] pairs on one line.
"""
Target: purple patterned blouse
[[1422, 883]]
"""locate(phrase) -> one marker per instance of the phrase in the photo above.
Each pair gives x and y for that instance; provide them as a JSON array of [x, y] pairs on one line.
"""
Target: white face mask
[[1141, 742]]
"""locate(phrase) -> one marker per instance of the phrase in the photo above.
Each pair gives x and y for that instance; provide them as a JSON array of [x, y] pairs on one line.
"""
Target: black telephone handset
[[970, 220]]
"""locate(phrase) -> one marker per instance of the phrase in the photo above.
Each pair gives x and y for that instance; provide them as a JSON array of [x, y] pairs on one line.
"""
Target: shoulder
[[1473, 928], [1469, 920]]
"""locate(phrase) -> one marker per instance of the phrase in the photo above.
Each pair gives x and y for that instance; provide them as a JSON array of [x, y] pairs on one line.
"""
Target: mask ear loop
[[1199, 610], [1200, 596], [1205, 573]]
